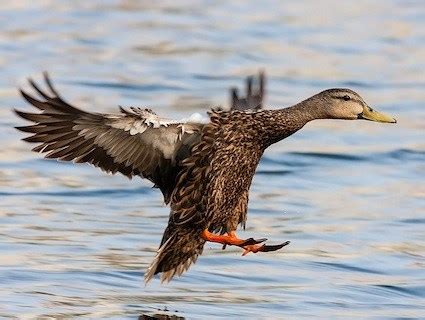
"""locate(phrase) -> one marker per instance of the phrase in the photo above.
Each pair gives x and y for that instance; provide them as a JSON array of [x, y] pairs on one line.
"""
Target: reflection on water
[[348, 195]]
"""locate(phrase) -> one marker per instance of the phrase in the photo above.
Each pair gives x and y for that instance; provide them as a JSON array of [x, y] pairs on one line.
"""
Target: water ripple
[[346, 267], [81, 193], [126, 86]]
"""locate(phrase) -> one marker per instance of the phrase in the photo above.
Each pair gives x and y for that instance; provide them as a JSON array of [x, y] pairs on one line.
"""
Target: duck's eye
[[346, 97]]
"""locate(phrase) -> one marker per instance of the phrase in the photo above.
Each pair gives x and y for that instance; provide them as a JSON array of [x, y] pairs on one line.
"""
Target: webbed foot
[[254, 248]]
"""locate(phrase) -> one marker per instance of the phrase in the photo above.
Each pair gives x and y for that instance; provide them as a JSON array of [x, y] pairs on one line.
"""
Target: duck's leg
[[254, 248], [230, 239]]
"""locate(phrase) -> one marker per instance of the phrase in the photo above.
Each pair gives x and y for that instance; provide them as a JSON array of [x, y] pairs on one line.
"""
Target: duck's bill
[[372, 115]]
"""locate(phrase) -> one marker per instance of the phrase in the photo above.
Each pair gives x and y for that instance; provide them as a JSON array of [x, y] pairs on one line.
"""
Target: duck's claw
[[252, 241], [263, 247], [275, 247], [248, 242]]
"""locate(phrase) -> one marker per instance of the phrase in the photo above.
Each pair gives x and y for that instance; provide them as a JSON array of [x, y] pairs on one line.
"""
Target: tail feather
[[176, 255]]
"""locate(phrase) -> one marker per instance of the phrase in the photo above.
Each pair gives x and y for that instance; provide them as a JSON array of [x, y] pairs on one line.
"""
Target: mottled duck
[[204, 169]]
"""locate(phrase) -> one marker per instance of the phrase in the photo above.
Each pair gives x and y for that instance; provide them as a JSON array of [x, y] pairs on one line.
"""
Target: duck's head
[[347, 104]]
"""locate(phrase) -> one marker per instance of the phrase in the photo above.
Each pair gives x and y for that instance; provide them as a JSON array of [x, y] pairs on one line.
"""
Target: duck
[[203, 167]]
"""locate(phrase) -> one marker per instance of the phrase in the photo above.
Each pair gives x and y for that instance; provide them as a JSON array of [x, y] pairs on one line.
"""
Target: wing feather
[[134, 142], [254, 96]]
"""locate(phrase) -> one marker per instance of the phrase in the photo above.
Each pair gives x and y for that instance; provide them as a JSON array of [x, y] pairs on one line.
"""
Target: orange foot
[[230, 239], [254, 248]]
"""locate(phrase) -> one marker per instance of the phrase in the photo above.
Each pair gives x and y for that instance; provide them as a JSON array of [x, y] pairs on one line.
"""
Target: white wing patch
[[138, 120], [196, 118]]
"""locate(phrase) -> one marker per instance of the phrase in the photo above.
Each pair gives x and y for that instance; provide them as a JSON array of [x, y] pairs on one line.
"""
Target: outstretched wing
[[254, 96], [135, 142]]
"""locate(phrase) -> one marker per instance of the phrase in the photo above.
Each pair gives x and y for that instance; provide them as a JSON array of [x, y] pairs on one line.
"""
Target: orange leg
[[229, 239], [249, 245]]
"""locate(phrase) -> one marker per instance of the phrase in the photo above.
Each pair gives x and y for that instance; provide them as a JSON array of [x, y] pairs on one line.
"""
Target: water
[[348, 195]]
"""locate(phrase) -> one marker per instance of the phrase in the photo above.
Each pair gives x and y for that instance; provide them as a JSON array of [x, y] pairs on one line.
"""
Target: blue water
[[349, 195]]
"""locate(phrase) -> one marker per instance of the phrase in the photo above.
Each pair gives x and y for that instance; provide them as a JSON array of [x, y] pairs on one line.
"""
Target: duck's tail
[[175, 255]]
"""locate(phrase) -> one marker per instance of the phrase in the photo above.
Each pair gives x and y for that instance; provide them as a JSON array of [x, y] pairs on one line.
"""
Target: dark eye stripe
[[345, 97], [349, 98]]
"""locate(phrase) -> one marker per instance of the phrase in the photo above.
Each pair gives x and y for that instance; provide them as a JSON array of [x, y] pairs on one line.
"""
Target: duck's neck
[[279, 124]]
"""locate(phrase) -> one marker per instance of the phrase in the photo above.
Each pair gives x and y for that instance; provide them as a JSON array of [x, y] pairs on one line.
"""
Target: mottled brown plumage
[[213, 185], [204, 170]]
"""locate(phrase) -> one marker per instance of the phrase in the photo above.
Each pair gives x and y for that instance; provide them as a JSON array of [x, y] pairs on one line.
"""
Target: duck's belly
[[228, 190], [230, 216]]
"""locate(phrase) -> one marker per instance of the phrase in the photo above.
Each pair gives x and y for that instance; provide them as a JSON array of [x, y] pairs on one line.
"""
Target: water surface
[[348, 195]]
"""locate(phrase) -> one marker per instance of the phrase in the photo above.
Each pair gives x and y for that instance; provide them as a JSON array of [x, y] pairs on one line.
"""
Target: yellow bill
[[372, 115]]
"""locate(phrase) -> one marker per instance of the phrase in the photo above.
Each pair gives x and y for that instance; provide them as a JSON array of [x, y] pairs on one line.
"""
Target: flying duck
[[204, 169]]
